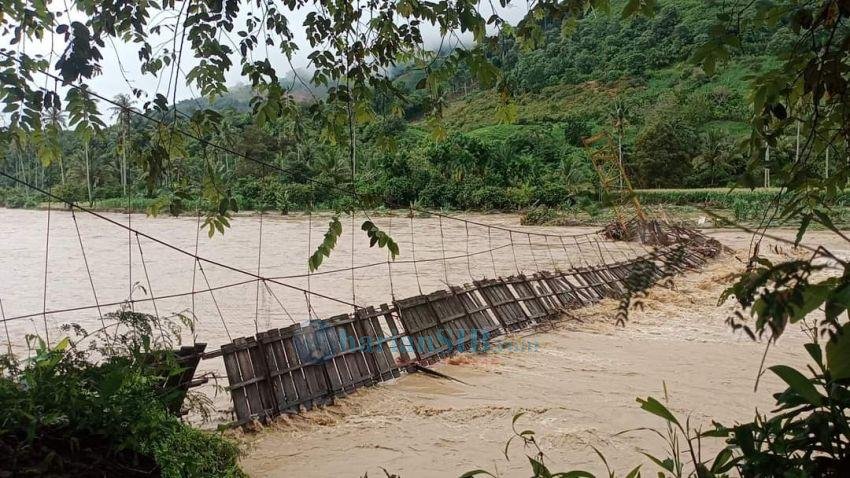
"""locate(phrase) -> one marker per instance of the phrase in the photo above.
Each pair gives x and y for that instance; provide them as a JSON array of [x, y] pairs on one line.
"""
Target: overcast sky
[[123, 57]]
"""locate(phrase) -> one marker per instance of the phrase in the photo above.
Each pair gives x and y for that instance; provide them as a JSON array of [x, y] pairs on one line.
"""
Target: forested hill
[[679, 124], [632, 78]]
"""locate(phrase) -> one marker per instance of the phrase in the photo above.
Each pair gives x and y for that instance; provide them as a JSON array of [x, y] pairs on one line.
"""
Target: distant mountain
[[238, 97]]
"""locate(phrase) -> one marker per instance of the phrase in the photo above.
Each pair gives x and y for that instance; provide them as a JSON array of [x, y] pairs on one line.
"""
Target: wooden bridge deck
[[298, 367]]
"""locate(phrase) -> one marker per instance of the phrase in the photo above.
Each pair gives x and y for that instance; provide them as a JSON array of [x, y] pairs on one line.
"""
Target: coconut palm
[[122, 112], [716, 161], [619, 120], [54, 118]]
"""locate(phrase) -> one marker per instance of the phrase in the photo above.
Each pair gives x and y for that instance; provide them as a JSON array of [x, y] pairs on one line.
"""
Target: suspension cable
[[6, 327], [215, 302], [492, 257], [46, 258], [531, 248], [567, 254], [552, 257], [599, 250], [513, 250], [195, 262], [353, 282], [309, 250], [443, 247], [259, 271], [129, 241], [126, 301], [468, 264], [271, 292], [389, 262], [581, 253], [413, 252], [150, 286], [88, 270]]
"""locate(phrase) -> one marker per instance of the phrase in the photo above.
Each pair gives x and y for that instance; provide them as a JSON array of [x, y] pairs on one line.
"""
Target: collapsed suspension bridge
[[290, 340], [513, 279]]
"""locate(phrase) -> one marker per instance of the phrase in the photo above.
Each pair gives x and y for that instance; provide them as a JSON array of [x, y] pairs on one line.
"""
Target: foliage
[[64, 413], [328, 243], [304, 142], [664, 152]]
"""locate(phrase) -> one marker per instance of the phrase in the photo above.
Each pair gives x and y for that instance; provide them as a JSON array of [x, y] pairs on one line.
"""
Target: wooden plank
[[234, 376], [393, 321], [261, 372], [177, 386], [310, 355], [317, 341], [546, 294], [280, 371], [525, 295], [503, 304], [351, 351], [377, 352], [453, 319], [289, 337], [423, 326], [478, 310], [243, 357], [367, 339]]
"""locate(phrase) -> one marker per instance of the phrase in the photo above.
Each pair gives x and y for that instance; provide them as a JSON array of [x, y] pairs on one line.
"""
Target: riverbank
[[699, 208]]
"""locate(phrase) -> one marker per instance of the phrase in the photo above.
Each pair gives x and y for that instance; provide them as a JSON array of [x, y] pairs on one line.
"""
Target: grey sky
[[121, 64]]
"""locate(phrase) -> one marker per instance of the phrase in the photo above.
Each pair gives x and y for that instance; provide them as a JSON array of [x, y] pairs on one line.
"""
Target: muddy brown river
[[578, 387], [239, 305]]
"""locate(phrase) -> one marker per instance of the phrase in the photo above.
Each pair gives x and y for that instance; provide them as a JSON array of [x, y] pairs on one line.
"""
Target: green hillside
[[632, 79]]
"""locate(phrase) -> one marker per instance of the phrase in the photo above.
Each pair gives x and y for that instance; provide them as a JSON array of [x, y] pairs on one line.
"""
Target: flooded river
[[578, 387], [239, 304], [274, 247]]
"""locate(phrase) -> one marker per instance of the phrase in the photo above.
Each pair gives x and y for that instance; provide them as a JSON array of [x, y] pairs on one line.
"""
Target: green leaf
[[574, 474], [539, 469], [813, 295], [804, 225], [635, 473], [723, 461], [838, 354], [470, 474], [815, 352], [667, 464], [328, 244], [655, 407], [798, 383]]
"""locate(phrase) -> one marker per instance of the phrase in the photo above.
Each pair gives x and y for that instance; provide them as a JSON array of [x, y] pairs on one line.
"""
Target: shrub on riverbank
[[65, 414]]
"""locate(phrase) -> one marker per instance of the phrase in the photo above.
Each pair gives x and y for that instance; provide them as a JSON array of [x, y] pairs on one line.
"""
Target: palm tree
[[619, 120], [122, 112], [715, 163], [55, 120]]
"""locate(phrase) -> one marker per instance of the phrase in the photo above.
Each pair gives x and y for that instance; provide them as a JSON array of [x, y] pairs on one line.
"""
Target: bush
[[18, 198], [521, 196], [487, 197], [64, 414], [72, 191], [555, 194], [663, 153]]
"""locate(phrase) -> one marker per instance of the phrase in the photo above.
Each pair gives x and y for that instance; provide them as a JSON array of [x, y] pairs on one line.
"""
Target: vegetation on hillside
[[680, 128]]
